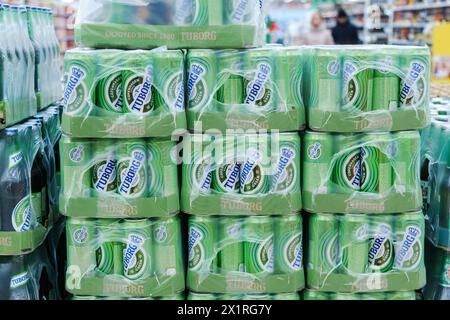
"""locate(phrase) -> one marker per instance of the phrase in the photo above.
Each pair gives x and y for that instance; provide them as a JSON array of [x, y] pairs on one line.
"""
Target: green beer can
[[137, 249], [323, 249], [239, 12], [325, 76], [357, 94], [132, 169], [385, 147], [354, 242], [414, 86], [169, 80], [162, 169], [76, 162], [409, 241], [386, 83], [288, 245], [255, 167], [381, 244], [231, 255], [198, 163], [285, 176], [81, 243], [230, 79], [406, 162], [202, 244], [104, 170], [373, 163], [202, 78], [80, 75], [108, 246], [109, 87], [259, 234], [138, 80], [226, 176], [290, 78], [200, 12], [259, 86], [317, 159], [166, 248]]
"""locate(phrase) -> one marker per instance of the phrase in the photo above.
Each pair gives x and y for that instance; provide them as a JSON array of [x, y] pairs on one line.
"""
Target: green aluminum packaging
[[123, 94], [241, 174], [122, 258], [369, 173], [118, 178], [366, 88], [231, 255], [357, 253], [253, 89]]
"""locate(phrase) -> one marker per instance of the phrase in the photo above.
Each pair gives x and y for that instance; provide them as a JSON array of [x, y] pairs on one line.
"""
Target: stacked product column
[[435, 175], [119, 173], [241, 187], [361, 184], [28, 202]]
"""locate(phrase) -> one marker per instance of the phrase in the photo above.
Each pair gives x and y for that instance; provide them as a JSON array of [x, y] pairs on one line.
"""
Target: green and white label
[[135, 260], [408, 252], [76, 92], [21, 216], [195, 248]]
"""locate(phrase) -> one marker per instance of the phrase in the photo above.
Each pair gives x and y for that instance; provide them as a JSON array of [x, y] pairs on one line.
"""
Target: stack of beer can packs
[[29, 56], [361, 190], [28, 207], [435, 179]]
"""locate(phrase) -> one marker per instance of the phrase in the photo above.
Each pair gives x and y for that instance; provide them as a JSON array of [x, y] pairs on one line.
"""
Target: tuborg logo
[[195, 75], [314, 151], [76, 76], [411, 236], [19, 280], [107, 171], [134, 244], [287, 154], [80, 235], [256, 87], [144, 92], [254, 156], [415, 71], [136, 162], [240, 11]]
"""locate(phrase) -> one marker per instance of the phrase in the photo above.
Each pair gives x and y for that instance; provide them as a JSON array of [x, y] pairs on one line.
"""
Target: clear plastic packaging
[[247, 174], [435, 176], [142, 24], [105, 178], [437, 261], [398, 295], [173, 297], [367, 88], [365, 253], [127, 258], [123, 94], [28, 200], [258, 254], [248, 296], [245, 89], [28, 277], [361, 173]]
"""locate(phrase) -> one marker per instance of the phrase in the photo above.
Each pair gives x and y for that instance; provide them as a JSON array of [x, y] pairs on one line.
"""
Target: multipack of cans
[[253, 254], [367, 88], [366, 253], [123, 94], [243, 89], [435, 173], [29, 62], [174, 297], [437, 261], [396, 295], [241, 174], [105, 178], [173, 23], [374, 172], [124, 257], [29, 200], [247, 296]]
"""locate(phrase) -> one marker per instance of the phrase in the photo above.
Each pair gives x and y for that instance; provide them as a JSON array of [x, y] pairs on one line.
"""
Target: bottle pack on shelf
[[29, 200], [242, 89], [135, 24], [367, 88], [251, 174]]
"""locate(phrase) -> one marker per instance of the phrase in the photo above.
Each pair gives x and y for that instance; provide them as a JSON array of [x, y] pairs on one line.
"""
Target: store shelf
[[422, 6]]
